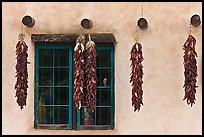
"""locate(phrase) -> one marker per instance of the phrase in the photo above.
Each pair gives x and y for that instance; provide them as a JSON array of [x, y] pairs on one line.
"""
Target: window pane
[[61, 77], [46, 57], [45, 76], [98, 56], [53, 91], [104, 77], [87, 117], [45, 96], [103, 108], [105, 58], [61, 115], [62, 57], [103, 97], [105, 74], [61, 96], [103, 116], [98, 77], [44, 115]]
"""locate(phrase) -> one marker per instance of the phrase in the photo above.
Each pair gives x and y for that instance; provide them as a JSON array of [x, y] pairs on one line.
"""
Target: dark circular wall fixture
[[142, 23], [195, 20], [86, 23], [28, 21]]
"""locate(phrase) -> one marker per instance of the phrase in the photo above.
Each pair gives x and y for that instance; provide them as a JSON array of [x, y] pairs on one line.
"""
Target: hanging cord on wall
[[142, 24], [142, 10], [89, 37], [190, 29], [137, 35], [21, 35]]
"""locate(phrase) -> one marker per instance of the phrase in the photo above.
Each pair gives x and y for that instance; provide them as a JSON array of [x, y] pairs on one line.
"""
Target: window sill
[[65, 127], [94, 127], [53, 127]]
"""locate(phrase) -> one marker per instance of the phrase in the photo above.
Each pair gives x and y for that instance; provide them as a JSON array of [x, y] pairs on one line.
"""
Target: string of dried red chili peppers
[[22, 72], [190, 66], [79, 63], [136, 75], [90, 74]]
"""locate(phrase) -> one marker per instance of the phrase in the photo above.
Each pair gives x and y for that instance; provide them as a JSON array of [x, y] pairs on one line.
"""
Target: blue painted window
[[103, 116], [54, 89]]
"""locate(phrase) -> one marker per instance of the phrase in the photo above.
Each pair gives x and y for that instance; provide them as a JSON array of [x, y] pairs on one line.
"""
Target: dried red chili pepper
[[22, 72], [90, 75], [190, 66], [79, 63], [136, 75]]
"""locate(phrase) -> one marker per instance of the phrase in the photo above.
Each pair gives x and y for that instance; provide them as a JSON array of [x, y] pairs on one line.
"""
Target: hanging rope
[[142, 10]]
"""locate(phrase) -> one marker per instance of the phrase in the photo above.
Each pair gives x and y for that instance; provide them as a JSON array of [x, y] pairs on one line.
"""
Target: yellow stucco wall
[[163, 112]]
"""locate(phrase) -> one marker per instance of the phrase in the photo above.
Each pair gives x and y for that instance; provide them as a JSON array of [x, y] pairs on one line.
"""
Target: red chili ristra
[[136, 75], [190, 66], [90, 75], [79, 63], [22, 73]]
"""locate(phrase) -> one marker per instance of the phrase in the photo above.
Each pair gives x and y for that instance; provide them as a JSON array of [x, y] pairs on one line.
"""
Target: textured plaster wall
[[163, 112]]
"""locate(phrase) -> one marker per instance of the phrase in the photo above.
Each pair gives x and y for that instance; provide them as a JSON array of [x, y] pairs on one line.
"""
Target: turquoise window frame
[[112, 97], [36, 80], [70, 48]]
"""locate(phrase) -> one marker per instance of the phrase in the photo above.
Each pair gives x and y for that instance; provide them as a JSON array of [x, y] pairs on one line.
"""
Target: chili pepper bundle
[[136, 75], [190, 66], [79, 63], [22, 72], [90, 74]]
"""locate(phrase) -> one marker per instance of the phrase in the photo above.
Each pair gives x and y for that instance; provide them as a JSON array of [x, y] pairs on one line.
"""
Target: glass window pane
[[102, 113], [103, 116], [104, 77], [61, 114], [45, 96], [103, 97], [105, 58], [46, 57], [61, 77], [45, 76], [62, 57], [53, 72], [98, 77], [98, 56], [44, 115], [61, 96], [87, 117]]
